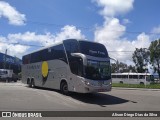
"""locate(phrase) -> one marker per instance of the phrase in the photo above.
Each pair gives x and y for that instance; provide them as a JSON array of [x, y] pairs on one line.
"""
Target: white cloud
[[143, 41], [114, 7], [112, 31], [126, 21], [156, 30], [69, 32], [121, 49], [9, 12], [48, 38], [30, 37], [14, 50], [36, 39]]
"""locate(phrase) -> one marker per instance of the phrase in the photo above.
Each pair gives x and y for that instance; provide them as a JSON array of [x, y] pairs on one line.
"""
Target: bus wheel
[[141, 83], [15, 80], [121, 82], [32, 83], [64, 88]]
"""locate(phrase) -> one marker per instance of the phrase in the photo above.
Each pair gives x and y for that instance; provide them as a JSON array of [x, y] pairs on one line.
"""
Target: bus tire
[[15, 80], [32, 83], [29, 83], [64, 88], [121, 82], [141, 83]]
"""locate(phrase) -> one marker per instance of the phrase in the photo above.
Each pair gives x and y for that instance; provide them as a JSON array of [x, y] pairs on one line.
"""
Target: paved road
[[17, 96]]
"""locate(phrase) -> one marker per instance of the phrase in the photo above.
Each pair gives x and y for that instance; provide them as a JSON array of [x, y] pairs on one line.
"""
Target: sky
[[121, 25]]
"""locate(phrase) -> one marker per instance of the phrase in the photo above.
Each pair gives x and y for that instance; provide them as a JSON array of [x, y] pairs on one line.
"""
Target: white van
[[7, 75]]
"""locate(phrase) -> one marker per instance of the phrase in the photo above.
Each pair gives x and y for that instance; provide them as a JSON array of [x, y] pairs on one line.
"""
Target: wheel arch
[[62, 81]]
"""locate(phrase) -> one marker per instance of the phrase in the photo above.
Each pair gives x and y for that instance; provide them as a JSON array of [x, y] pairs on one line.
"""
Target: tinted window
[[141, 77], [58, 52], [130, 76], [124, 76], [76, 66], [93, 49], [35, 57], [71, 46], [135, 76], [76, 63], [26, 59], [97, 70], [44, 55], [113, 76], [118, 76], [55, 52]]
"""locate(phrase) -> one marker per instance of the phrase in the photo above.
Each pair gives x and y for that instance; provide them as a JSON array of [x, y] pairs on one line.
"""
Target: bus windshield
[[97, 70], [150, 78], [93, 49]]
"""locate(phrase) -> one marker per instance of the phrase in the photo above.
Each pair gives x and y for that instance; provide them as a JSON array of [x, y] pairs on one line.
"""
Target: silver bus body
[[50, 69]]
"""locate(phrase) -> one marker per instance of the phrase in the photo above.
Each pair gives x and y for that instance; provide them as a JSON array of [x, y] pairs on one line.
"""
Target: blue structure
[[9, 62]]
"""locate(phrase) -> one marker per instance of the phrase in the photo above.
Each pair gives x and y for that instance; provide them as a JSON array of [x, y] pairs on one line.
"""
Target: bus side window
[[58, 53], [76, 66], [141, 77], [118, 76], [130, 76], [135, 76], [124, 76], [26, 59], [113, 76], [71, 46]]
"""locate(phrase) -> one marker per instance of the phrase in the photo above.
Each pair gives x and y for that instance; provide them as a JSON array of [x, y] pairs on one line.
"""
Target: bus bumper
[[91, 89]]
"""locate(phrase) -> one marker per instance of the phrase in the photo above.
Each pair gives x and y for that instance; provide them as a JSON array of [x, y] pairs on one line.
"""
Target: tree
[[155, 55], [114, 68], [141, 58], [121, 67], [131, 68]]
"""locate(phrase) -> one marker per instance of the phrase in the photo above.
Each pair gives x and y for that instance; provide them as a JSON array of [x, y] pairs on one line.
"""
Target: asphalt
[[19, 97]]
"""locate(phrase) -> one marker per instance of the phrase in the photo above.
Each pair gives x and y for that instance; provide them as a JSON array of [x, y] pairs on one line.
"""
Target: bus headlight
[[87, 83]]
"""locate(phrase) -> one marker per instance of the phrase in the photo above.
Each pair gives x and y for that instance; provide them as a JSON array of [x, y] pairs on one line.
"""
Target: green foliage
[[155, 55], [122, 67], [140, 58], [151, 86]]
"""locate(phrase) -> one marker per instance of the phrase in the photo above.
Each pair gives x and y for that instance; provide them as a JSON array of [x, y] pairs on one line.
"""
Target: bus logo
[[44, 72]]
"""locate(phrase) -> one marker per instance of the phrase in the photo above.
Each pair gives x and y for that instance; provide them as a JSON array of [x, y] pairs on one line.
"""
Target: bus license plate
[[101, 90], [100, 83]]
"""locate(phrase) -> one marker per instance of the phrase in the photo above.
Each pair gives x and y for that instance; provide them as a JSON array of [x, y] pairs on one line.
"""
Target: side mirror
[[75, 54]]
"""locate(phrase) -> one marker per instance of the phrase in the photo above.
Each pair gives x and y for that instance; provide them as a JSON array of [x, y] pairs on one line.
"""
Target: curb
[[142, 89]]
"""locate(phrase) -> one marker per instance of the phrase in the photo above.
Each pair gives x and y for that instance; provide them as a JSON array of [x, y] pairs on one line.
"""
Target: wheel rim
[[32, 84], [65, 88]]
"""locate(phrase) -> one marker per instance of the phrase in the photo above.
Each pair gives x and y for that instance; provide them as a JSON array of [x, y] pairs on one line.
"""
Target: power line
[[17, 43], [23, 44], [57, 25], [121, 51], [88, 28]]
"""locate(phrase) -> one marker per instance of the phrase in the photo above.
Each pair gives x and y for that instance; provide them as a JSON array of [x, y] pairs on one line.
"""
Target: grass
[[151, 86]]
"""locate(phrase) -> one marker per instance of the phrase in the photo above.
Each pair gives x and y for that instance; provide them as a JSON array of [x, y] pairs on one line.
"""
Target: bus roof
[[131, 74], [58, 44]]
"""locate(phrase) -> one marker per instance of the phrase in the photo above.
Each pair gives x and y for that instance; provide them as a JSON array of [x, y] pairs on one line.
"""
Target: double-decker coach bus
[[71, 65], [132, 78]]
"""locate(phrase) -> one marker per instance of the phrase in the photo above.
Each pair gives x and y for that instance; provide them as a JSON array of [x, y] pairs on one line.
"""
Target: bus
[[132, 78], [72, 65]]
